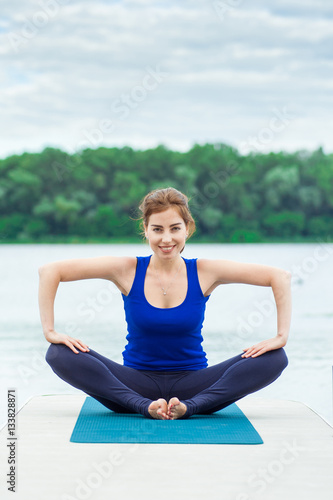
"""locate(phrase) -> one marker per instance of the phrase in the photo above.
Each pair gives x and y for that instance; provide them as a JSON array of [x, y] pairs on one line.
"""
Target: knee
[[54, 353], [280, 358], [284, 358]]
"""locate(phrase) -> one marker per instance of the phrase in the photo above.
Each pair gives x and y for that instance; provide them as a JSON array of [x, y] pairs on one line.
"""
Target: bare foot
[[158, 409], [176, 409]]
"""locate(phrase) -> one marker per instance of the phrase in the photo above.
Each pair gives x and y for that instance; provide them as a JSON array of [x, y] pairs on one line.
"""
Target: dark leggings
[[126, 390]]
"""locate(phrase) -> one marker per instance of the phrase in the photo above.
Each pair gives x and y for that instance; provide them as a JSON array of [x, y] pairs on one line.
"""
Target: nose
[[166, 237]]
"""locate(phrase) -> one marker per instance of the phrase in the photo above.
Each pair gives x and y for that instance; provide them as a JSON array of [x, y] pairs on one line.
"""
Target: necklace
[[167, 288]]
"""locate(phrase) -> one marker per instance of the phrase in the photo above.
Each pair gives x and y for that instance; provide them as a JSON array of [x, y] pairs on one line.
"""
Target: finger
[[259, 353], [261, 349], [248, 352], [252, 351], [75, 344], [82, 347], [79, 344], [251, 348], [71, 346]]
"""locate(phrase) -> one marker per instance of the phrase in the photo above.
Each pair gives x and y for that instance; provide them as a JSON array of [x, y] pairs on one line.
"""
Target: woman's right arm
[[116, 269]]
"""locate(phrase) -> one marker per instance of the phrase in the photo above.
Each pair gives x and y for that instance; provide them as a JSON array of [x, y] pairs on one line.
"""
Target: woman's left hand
[[264, 346]]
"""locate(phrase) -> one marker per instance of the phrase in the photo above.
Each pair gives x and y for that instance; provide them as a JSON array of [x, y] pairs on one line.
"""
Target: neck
[[166, 265]]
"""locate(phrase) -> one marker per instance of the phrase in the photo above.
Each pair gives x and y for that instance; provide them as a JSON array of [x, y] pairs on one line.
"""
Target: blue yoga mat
[[97, 424]]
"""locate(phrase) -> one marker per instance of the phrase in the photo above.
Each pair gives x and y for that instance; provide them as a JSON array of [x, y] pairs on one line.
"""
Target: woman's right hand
[[59, 338]]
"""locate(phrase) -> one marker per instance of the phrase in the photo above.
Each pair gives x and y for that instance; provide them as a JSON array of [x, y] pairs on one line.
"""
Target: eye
[[156, 229], [177, 228]]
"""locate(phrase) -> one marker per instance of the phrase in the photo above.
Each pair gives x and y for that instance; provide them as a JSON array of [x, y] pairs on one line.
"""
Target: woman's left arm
[[281, 286], [219, 272]]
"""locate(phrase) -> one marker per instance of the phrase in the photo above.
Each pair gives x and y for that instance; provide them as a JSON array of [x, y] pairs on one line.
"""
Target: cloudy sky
[[253, 74]]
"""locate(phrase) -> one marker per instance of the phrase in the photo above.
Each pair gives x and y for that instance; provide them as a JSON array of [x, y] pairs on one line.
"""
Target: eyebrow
[[171, 225]]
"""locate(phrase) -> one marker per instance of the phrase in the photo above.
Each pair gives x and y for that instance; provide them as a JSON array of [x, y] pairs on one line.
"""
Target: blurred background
[[227, 101]]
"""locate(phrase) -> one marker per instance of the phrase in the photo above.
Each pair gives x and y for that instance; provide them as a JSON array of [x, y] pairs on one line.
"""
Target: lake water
[[237, 316]]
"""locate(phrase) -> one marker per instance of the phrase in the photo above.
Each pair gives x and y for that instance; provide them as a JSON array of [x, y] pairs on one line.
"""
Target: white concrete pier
[[295, 461]]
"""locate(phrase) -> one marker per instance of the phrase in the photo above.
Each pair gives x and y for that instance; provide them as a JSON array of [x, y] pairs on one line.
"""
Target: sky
[[256, 75]]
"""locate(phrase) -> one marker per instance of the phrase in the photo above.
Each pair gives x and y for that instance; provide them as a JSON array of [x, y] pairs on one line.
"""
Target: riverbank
[[76, 240]]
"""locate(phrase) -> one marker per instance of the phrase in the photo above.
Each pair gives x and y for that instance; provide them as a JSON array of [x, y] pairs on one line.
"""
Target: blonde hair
[[160, 200]]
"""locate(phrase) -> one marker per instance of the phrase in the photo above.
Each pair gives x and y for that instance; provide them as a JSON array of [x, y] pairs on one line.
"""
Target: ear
[[146, 231]]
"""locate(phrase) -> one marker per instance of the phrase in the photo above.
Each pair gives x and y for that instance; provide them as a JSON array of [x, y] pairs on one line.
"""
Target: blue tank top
[[165, 339]]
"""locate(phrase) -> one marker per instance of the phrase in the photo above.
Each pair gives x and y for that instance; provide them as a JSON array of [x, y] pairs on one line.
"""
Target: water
[[237, 316]]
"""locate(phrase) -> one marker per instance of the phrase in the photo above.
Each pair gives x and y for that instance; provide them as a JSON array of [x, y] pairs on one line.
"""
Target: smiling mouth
[[166, 249]]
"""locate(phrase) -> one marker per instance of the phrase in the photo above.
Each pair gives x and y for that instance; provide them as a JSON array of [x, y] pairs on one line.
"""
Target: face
[[167, 233]]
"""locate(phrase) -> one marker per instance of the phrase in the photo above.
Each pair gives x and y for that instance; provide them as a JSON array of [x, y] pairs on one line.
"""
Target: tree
[[95, 193], [285, 224]]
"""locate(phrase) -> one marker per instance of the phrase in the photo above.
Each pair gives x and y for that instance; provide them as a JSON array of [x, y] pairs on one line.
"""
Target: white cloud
[[66, 63]]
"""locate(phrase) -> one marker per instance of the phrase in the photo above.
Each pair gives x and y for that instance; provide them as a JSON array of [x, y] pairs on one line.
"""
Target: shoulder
[[218, 271], [206, 269], [126, 261], [113, 265], [123, 272], [205, 265], [124, 265], [211, 268]]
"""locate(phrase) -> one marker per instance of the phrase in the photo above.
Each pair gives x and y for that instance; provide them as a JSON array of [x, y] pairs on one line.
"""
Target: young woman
[[165, 374]]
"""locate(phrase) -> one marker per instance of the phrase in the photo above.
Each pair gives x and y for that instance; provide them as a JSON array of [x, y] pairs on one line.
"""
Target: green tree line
[[94, 194]]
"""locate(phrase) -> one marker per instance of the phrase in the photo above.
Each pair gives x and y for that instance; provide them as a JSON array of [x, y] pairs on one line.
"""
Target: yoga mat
[[98, 424]]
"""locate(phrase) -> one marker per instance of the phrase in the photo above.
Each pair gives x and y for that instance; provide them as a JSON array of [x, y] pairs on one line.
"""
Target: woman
[[165, 374]]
